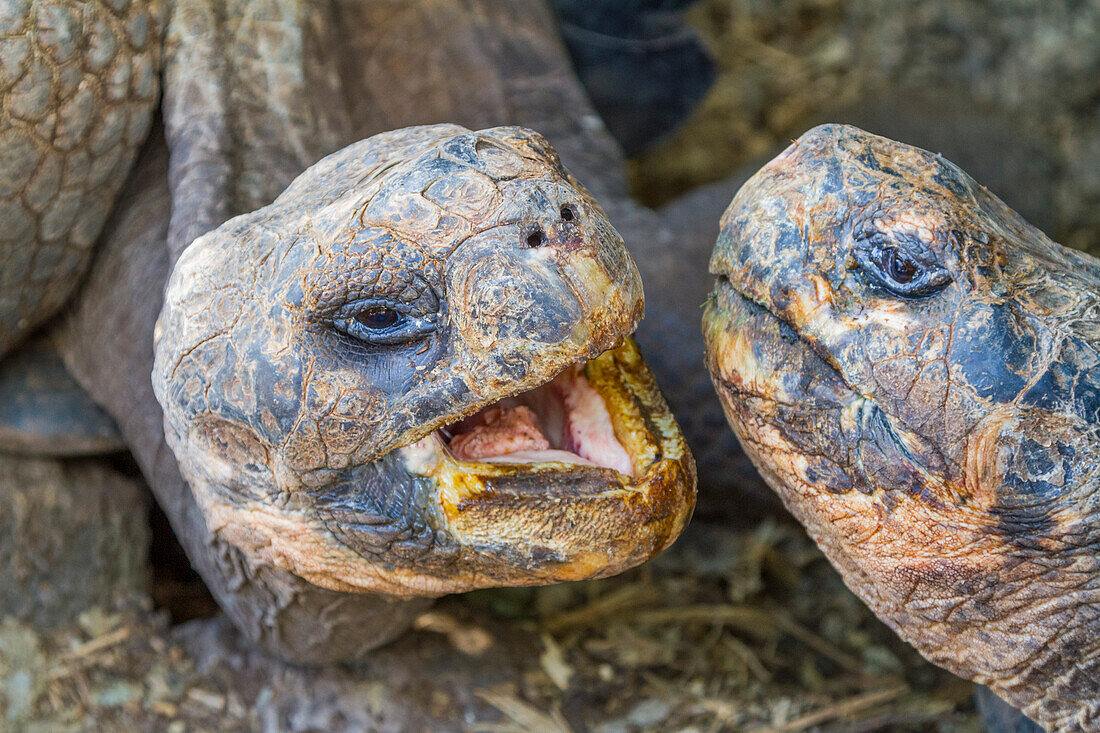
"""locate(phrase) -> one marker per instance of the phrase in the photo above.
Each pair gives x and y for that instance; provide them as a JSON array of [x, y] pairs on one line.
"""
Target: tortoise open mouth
[[565, 420], [604, 414], [583, 476]]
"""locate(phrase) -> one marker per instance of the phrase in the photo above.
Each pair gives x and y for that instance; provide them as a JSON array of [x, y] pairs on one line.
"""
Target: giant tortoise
[[244, 115], [916, 371], [253, 93]]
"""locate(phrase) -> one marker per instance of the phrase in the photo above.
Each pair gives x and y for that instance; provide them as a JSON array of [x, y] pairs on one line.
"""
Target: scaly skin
[[934, 423], [78, 85], [295, 427]]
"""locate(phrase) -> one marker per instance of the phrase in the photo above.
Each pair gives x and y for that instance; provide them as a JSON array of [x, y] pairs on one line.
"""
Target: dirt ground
[[730, 630], [1008, 90], [735, 628]]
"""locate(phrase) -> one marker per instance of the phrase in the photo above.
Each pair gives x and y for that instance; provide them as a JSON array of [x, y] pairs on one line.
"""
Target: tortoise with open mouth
[[411, 374], [403, 370], [916, 371]]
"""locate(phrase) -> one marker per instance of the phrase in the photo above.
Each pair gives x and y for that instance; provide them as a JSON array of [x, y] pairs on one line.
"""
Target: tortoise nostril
[[535, 238], [567, 213]]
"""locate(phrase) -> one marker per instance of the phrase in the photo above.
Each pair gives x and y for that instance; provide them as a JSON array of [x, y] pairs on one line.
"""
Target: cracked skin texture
[[916, 371], [78, 85], [289, 427]]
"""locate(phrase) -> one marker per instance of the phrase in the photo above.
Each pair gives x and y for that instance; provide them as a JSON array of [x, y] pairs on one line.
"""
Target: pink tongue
[[502, 430], [589, 428]]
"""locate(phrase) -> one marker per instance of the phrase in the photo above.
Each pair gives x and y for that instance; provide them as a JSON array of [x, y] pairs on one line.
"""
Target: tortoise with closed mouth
[[916, 371]]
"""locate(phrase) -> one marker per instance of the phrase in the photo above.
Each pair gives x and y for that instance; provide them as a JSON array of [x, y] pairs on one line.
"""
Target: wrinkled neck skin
[[915, 370]]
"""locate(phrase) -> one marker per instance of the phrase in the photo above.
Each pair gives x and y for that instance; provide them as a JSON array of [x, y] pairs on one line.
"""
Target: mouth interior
[[564, 421]]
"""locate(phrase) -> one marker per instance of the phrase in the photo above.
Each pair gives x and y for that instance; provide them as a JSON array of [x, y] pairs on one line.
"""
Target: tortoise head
[[411, 374], [913, 368]]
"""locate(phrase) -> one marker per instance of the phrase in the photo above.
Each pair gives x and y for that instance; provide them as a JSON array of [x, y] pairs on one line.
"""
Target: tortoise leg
[[1000, 717], [44, 412], [73, 535], [80, 85]]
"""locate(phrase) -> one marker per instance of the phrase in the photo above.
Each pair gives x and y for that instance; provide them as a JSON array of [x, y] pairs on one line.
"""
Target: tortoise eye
[[901, 264], [898, 266], [383, 322], [568, 214], [379, 318]]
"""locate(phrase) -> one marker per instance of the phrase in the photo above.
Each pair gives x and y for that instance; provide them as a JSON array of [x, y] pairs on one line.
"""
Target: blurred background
[[1010, 91]]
